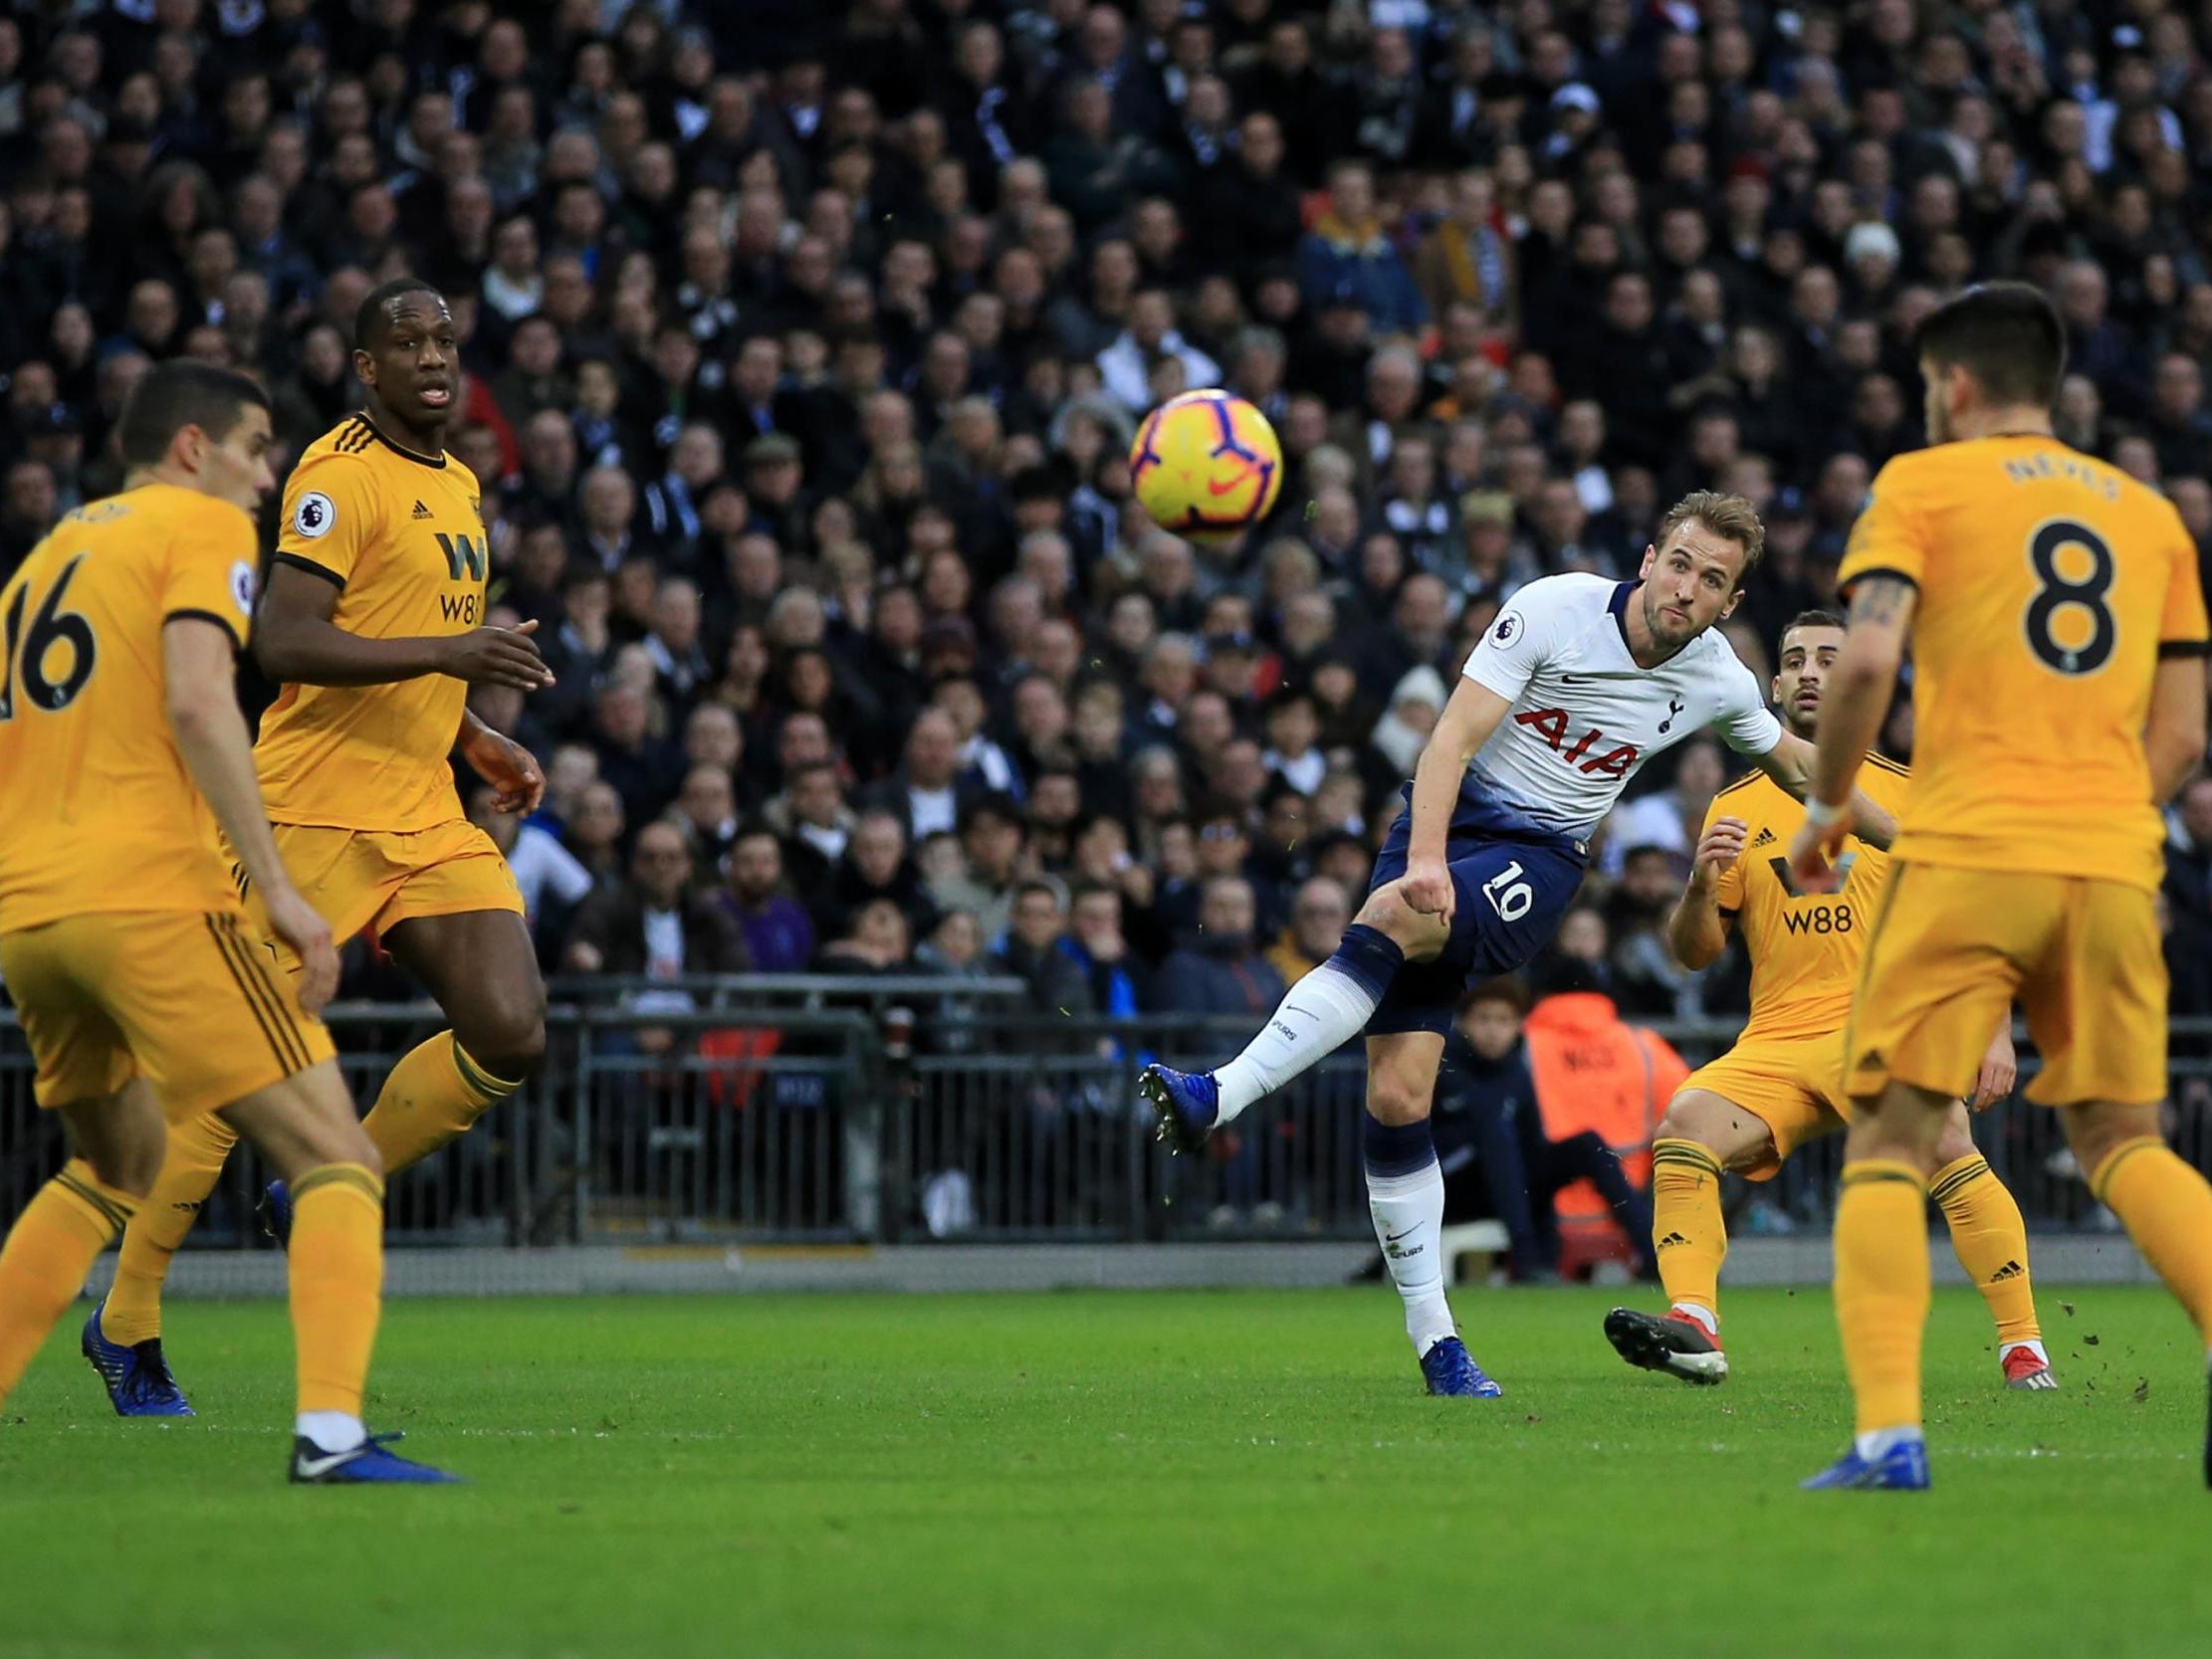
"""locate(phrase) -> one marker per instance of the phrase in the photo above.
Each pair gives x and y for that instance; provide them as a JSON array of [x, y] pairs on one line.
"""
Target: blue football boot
[[1187, 1105], [368, 1464], [137, 1377], [1450, 1370], [275, 1210], [1902, 1468]]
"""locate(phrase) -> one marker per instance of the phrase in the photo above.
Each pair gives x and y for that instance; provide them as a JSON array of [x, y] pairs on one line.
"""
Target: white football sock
[[2031, 1344], [1876, 1442], [1319, 1014], [330, 1432], [1409, 1224]]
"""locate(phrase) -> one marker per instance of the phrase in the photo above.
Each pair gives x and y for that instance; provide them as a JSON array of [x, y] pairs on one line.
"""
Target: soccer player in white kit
[[1578, 683]]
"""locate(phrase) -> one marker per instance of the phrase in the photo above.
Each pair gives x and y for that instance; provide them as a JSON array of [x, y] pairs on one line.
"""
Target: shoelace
[[151, 1379]]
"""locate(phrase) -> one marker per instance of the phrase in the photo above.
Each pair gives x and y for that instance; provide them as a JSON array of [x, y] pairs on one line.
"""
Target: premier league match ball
[[1206, 466]]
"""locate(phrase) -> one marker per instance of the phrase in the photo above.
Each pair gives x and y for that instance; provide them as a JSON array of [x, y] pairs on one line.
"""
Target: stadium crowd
[[804, 339]]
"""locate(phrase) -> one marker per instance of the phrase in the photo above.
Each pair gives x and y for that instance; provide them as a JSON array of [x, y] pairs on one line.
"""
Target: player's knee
[[1954, 1143], [1686, 1121], [2095, 1130], [508, 1039], [1396, 1101], [1676, 1125], [1387, 913]]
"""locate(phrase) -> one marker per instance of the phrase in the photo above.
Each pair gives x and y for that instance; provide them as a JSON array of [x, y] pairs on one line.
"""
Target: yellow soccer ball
[[1206, 466]]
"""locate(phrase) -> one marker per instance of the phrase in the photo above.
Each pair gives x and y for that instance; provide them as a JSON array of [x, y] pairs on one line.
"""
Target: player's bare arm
[[2173, 731], [1470, 717], [1697, 929], [198, 667], [1857, 697], [504, 764], [1791, 764], [296, 642]]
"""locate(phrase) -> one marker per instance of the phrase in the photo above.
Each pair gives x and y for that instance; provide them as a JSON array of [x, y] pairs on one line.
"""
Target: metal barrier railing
[[833, 1108]]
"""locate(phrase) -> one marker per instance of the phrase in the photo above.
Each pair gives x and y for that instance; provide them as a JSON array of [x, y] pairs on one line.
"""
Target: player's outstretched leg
[[1991, 1240], [123, 1338], [2166, 1204], [306, 1128], [1318, 1015], [68, 1223], [1883, 1287], [1404, 1198]]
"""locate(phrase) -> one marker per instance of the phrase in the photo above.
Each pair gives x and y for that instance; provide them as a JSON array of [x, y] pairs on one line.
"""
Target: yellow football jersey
[[97, 809], [2050, 585], [402, 536], [1804, 946]]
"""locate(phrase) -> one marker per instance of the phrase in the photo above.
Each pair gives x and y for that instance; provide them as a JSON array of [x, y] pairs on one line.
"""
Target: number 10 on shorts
[[1511, 896]]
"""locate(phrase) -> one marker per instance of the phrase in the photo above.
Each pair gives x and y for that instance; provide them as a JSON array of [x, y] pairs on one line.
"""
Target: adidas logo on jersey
[[421, 511], [1764, 838]]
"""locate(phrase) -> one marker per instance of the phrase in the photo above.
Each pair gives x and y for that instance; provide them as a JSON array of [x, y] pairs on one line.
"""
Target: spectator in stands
[[875, 939], [655, 925], [1597, 1074], [707, 812], [1221, 972], [817, 824], [875, 866], [992, 838], [641, 769], [1645, 977], [596, 832], [1499, 1152], [803, 395], [1319, 914], [1669, 819], [1348, 254], [2189, 893], [543, 868], [922, 791], [1035, 950], [1100, 949], [779, 934]]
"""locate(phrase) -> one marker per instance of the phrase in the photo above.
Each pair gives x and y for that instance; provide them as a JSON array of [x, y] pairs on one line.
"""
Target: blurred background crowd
[[804, 339]]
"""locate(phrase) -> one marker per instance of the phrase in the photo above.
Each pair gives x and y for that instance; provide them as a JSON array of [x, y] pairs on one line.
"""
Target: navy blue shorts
[[1511, 881]]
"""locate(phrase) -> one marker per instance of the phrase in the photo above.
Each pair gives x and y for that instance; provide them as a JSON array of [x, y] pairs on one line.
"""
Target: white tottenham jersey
[[1583, 717]]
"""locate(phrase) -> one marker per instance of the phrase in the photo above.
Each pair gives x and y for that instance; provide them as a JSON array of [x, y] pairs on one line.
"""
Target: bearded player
[[1576, 685], [373, 621], [1782, 1083]]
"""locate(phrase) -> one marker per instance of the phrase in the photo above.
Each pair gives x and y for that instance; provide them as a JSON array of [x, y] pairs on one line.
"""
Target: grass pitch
[[1110, 1474]]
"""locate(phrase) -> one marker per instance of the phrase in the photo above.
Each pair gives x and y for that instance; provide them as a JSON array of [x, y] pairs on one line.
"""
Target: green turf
[[1125, 1474]]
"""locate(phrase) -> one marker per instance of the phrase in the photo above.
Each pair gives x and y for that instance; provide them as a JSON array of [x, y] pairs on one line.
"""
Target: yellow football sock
[[2167, 1210], [338, 1282], [50, 1250], [190, 1167], [1690, 1237], [1992, 1242], [432, 1096], [1882, 1288]]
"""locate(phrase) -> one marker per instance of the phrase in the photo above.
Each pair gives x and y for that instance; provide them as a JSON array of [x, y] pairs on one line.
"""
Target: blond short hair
[[1731, 517]]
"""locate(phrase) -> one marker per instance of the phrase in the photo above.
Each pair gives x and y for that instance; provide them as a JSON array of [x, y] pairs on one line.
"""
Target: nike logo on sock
[[1392, 1238]]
